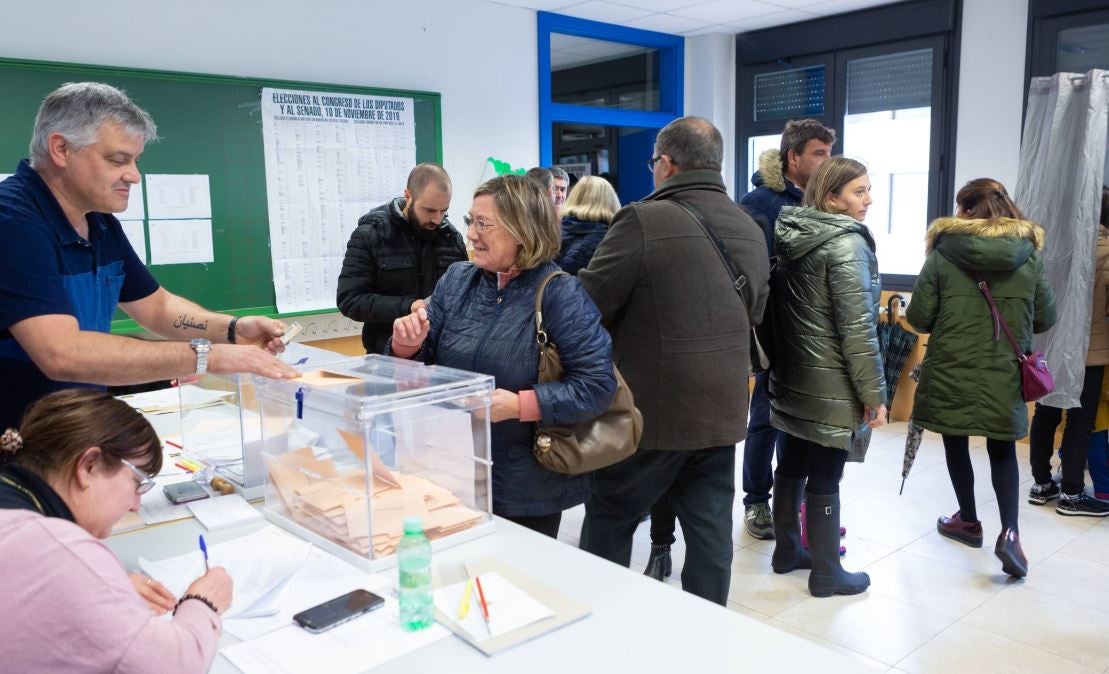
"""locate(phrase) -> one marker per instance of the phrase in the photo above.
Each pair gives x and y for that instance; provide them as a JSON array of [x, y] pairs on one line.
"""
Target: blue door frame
[[671, 79]]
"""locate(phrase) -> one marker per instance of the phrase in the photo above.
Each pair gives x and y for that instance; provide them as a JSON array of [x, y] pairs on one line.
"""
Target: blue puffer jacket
[[476, 327], [579, 241], [772, 191]]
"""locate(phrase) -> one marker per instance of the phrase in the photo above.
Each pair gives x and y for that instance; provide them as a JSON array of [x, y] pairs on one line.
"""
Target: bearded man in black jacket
[[397, 254]]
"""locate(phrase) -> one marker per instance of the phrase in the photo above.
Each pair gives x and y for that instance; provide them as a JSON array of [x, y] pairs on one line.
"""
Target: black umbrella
[[912, 440], [896, 343]]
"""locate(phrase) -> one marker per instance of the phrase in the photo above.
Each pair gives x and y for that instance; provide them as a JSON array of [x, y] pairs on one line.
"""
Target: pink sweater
[[67, 605]]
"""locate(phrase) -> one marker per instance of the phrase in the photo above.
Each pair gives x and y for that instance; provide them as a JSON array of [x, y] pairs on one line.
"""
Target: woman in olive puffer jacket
[[827, 388], [970, 382]]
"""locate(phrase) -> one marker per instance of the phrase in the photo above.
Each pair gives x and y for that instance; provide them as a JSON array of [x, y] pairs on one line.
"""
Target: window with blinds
[[788, 94], [890, 82]]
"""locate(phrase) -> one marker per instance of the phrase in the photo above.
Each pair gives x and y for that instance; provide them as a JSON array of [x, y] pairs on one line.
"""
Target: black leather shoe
[[659, 565], [1008, 550]]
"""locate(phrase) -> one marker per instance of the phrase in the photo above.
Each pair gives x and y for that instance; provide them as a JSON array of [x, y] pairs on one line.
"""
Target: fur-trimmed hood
[[1001, 227], [1003, 243], [770, 171]]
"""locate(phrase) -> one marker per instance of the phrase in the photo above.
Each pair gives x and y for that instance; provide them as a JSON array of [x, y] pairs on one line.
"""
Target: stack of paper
[[340, 509], [260, 564], [175, 399]]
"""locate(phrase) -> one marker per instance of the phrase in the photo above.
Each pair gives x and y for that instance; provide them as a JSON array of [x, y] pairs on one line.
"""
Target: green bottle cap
[[413, 525]]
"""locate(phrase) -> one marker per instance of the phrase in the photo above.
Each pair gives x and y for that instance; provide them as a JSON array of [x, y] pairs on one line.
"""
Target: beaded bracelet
[[197, 597]]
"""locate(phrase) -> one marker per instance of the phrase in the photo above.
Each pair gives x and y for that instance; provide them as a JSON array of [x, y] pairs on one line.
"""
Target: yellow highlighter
[[464, 605]]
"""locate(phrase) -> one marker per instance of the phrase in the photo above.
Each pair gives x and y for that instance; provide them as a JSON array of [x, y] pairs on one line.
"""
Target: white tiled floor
[[933, 605]]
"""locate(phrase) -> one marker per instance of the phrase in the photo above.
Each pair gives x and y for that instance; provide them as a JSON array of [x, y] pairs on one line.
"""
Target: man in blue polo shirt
[[66, 265]]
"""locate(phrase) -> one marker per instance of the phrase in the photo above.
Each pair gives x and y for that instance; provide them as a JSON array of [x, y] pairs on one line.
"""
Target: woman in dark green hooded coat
[[970, 380]]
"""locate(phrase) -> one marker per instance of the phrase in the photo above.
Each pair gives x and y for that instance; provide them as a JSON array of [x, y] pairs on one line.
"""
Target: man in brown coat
[[680, 338]]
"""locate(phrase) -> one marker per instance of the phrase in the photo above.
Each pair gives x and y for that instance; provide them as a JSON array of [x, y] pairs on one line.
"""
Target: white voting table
[[637, 624]]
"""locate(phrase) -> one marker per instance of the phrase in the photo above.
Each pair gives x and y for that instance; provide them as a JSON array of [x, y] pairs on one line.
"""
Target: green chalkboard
[[207, 124]]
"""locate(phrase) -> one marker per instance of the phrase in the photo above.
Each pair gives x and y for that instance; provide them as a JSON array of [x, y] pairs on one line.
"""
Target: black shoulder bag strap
[[759, 355], [739, 281]]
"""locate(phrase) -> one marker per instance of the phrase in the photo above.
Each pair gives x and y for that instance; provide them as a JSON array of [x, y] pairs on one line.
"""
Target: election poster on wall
[[329, 158]]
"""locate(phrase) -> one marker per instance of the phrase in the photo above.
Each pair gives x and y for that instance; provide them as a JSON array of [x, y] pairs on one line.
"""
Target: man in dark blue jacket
[[780, 181]]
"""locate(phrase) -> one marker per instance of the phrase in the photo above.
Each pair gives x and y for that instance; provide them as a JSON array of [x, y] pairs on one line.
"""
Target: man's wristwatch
[[202, 347]]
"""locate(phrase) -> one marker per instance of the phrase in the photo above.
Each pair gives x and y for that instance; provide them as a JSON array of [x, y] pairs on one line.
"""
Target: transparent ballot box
[[221, 426], [352, 448]]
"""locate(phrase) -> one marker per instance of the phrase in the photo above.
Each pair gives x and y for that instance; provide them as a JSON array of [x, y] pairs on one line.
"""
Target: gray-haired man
[[66, 266]]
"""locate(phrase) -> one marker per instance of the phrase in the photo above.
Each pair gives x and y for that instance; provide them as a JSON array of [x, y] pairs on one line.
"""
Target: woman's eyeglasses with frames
[[480, 224]]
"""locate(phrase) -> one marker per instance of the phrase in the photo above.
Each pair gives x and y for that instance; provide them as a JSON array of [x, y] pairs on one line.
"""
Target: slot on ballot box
[[352, 448], [221, 425]]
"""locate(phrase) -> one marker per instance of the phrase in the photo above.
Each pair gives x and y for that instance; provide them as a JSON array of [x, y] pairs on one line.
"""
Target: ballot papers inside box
[[353, 448]]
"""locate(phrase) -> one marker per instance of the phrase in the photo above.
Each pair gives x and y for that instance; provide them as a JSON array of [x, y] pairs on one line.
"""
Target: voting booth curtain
[[1062, 166]]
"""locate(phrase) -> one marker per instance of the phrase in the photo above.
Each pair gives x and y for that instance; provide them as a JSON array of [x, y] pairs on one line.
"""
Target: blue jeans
[[1099, 462], [759, 449]]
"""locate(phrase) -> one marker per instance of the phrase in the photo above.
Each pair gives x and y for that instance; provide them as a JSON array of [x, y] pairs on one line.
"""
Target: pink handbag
[[1035, 377]]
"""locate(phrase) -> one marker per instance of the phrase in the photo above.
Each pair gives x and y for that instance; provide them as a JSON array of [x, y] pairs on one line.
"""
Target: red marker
[[481, 596]]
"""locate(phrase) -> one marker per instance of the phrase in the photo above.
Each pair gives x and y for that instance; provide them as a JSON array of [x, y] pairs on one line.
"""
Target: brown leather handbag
[[589, 445]]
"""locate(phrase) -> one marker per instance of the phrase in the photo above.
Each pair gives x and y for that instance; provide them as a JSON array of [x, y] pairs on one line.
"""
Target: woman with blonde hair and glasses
[[481, 318], [827, 387], [79, 461], [586, 215], [970, 381]]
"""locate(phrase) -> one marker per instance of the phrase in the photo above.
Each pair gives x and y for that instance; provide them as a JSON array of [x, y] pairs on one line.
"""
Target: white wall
[[480, 56], [710, 90], [991, 90]]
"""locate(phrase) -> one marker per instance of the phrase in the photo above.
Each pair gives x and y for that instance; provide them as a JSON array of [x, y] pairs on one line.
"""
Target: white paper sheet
[[221, 512], [510, 608], [260, 564], [324, 576], [329, 157], [178, 196], [357, 646], [171, 399], [181, 241], [135, 232], [135, 207]]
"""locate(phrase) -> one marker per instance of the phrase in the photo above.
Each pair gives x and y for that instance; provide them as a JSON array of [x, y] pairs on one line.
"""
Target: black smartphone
[[183, 492], [337, 611]]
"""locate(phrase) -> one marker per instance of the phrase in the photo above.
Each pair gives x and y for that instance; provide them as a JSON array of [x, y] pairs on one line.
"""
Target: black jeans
[[1076, 435], [699, 485], [823, 466], [544, 524], [662, 523]]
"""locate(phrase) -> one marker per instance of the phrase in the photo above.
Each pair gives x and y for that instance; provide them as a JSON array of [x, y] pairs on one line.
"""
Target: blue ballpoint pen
[[204, 549]]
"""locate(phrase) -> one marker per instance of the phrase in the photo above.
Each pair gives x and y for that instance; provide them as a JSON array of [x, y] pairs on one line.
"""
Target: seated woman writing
[[80, 460]]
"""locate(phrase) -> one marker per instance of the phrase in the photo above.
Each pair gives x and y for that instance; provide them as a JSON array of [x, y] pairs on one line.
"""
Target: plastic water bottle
[[417, 608]]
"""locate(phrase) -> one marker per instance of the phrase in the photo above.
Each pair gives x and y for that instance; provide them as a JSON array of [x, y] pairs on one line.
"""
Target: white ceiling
[[697, 17]]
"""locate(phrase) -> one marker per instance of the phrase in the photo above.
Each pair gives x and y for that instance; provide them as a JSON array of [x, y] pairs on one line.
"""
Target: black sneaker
[[1083, 505], [1040, 494]]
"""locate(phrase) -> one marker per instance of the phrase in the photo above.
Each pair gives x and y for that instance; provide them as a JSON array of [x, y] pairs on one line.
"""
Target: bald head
[[692, 143]]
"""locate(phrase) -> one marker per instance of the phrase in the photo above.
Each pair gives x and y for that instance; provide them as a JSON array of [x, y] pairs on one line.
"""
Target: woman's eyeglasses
[[146, 483], [480, 224]]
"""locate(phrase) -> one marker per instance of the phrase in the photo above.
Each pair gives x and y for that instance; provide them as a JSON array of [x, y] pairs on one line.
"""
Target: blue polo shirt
[[47, 268]]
